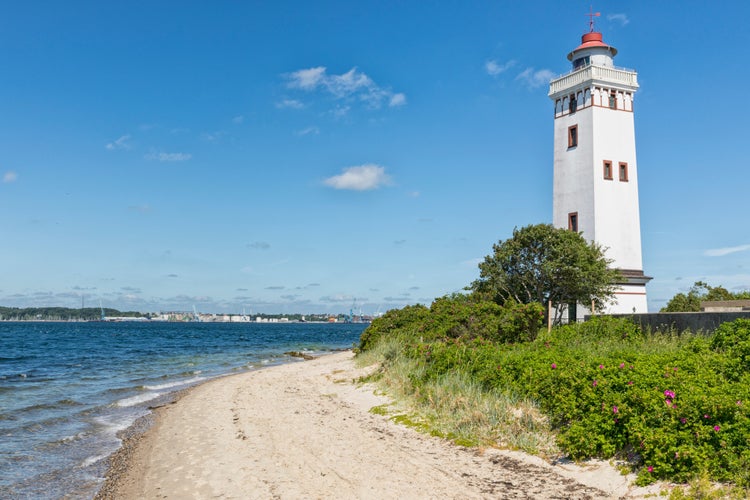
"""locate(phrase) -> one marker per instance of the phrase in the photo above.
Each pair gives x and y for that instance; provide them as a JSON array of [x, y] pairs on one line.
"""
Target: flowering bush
[[675, 407]]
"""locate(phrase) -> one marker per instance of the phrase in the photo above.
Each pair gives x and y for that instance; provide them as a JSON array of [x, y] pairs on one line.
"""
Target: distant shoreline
[[147, 320]]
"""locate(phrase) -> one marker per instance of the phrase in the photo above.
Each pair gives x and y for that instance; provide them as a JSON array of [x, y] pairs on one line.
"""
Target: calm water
[[66, 389]]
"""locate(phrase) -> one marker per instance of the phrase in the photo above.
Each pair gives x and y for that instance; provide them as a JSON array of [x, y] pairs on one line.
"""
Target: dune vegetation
[[666, 406]]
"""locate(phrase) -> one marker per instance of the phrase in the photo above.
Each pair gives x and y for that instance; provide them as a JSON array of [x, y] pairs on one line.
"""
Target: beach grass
[[456, 407], [672, 406]]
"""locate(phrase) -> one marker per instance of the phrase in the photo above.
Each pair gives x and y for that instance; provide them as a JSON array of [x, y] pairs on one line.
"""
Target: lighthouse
[[595, 186]]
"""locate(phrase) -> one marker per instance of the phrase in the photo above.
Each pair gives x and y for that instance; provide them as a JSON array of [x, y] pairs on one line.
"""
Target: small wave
[[140, 398], [13, 358], [73, 437], [187, 373], [92, 460], [170, 385], [116, 390], [40, 426], [114, 426], [63, 403], [25, 378]]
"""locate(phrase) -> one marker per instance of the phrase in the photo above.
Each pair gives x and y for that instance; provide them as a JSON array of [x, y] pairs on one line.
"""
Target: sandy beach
[[304, 430]]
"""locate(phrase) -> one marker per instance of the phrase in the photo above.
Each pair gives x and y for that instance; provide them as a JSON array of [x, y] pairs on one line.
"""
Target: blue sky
[[306, 156]]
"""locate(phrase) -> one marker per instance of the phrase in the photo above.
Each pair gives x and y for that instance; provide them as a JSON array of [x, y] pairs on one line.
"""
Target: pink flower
[[650, 469], [615, 409], [739, 403], [668, 402], [554, 365], [717, 428], [595, 383], [622, 365], [669, 394], [706, 416], [630, 382], [601, 367], [683, 420]]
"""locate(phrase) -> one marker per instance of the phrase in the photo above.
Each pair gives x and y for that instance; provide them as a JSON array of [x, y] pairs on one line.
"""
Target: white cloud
[[9, 177], [621, 18], [361, 178], [493, 68], [340, 111], [290, 104], [123, 142], [534, 79], [309, 131], [237, 120], [348, 83], [720, 252], [168, 156], [353, 84], [397, 100], [307, 79], [338, 298]]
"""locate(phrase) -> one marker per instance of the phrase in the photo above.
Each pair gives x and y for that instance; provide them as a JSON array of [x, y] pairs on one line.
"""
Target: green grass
[[454, 406], [673, 407]]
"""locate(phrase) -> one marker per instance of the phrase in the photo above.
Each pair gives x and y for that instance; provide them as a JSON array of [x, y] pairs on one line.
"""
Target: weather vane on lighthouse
[[592, 15]]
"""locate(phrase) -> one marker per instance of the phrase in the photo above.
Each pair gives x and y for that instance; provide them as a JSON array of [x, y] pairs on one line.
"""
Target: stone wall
[[694, 321]]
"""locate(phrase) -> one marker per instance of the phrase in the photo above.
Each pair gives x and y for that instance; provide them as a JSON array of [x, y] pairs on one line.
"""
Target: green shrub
[[675, 407], [408, 320], [733, 339], [458, 316]]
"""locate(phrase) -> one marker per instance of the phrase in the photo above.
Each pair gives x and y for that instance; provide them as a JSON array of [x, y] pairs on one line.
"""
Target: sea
[[67, 390]]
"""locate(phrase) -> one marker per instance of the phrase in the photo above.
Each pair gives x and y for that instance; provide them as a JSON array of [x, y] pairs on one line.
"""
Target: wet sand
[[304, 430]]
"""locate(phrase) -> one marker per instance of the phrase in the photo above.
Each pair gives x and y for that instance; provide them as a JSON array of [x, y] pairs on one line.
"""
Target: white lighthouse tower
[[595, 169]]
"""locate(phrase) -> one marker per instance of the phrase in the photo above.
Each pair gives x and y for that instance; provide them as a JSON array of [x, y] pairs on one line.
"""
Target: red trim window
[[623, 172], [608, 170], [573, 221], [572, 136]]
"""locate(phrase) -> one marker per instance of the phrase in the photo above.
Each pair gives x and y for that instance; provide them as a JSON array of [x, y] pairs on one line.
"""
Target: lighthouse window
[[613, 100], [608, 170], [573, 103], [573, 136], [581, 62], [624, 172], [573, 222]]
